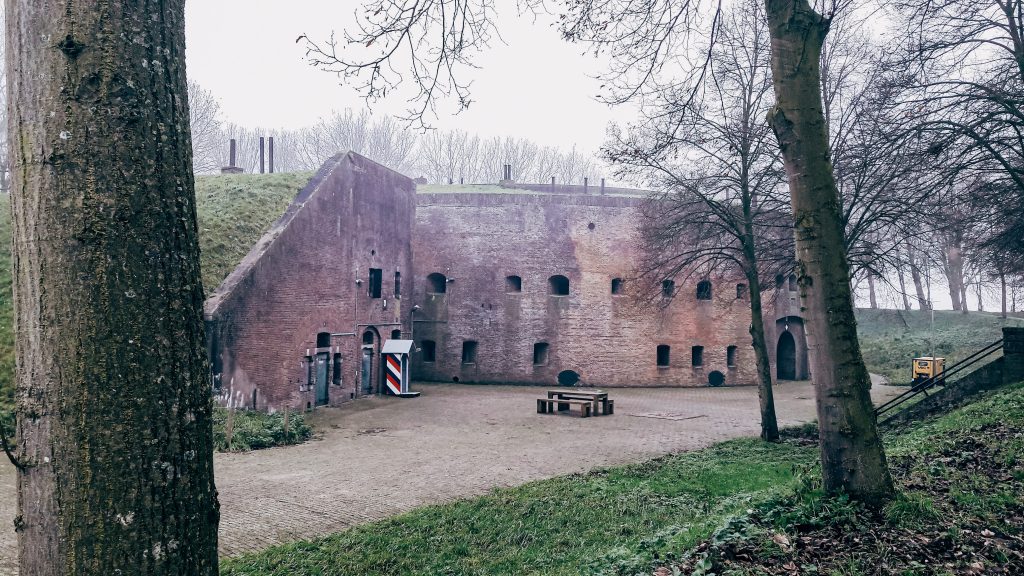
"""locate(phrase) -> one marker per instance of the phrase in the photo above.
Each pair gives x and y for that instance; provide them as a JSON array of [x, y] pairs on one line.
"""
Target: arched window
[[616, 286], [792, 282], [779, 279], [540, 353], [741, 291], [559, 285], [428, 349], [697, 356], [513, 284], [323, 340], [368, 337], [668, 288], [664, 355], [437, 283], [704, 290], [396, 334], [730, 356]]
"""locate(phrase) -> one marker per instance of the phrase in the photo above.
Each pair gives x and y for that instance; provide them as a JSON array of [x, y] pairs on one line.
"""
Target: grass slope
[[889, 339], [762, 502], [620, 516], [233, 212]]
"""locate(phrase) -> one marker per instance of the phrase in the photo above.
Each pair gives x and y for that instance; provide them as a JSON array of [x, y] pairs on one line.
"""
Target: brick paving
[[378, 457]]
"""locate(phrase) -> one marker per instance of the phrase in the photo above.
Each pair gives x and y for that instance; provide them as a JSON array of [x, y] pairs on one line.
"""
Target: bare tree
[[644, 41], [722, 208], [115, 443], [207, 135]]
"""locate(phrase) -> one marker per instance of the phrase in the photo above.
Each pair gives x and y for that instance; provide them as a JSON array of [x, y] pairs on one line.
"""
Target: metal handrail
[[924, 386]]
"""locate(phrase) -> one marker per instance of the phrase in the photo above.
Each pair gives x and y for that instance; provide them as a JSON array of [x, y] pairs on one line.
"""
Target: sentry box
[[395, 357]]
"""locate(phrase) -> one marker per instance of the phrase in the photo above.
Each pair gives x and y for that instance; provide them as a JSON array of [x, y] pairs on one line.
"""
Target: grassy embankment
[[233, 212], [741, 507], [891, 338]]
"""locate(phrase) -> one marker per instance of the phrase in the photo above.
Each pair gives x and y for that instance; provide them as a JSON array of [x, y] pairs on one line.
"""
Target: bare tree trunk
[[765, 394], [915, 274], [981, 299], [1002, 293], [852, 456], [113, 401], [903, 288], [872, 298], [953, 267]]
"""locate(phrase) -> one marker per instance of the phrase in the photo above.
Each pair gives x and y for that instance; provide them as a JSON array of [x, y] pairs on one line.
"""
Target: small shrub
[[244, 430]]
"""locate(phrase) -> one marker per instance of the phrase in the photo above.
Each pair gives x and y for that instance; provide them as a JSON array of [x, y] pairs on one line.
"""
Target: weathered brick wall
[[478, 239], [300, 279]]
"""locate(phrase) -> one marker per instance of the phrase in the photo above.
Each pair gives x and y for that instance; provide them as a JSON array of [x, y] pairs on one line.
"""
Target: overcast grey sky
[[534, 85]]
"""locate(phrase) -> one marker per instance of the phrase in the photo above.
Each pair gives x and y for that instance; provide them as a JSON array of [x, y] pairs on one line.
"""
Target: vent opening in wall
[[568, 378], [591, 226], [716, 378]]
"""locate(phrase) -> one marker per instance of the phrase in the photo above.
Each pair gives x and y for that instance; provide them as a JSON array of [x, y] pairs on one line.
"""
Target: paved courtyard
[[382, 456]]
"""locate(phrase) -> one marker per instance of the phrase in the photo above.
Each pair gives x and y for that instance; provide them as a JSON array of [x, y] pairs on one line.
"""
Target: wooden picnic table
[[598, 399]]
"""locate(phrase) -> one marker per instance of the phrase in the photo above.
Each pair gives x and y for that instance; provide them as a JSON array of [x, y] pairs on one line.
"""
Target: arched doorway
[[367, 367], [785, 357]]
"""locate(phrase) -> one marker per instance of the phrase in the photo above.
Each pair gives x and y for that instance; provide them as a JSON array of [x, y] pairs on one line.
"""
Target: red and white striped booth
[[395, 358]]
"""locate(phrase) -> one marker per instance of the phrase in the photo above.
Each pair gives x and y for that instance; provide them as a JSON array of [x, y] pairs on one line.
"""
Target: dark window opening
[[664, 352], [779, 279], [396, 334], [429, 350], [398, 284], [697, 356], [616, 286], [469, 352], [309, 371], [792, 282], [437, 283], [741, 291], [704, 290], [559, 285], [253, 399], [376, 278], [668, 288], [540, 353], [513, 284], [368, 337], [323, 340], [730, 356], [336, 375]]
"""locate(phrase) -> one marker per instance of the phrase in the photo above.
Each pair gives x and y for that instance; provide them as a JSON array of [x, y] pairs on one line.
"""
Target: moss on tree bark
[[113, 403]]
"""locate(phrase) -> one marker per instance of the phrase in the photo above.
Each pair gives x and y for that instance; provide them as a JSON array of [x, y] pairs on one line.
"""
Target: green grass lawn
[[889, 339], [625, 521]]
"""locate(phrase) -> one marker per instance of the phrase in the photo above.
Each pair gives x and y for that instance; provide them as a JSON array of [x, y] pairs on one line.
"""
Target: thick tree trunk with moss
[[852, 457], [769, 421], [114, 411]]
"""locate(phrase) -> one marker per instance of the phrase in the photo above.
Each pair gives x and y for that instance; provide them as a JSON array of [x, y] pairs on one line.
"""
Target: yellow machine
[[928, 367]]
